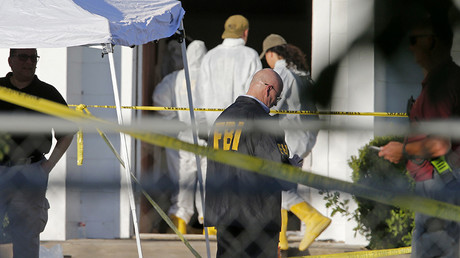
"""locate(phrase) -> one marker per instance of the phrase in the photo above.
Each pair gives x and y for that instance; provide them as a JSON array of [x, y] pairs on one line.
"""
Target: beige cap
[[235, 26], [270, 41]]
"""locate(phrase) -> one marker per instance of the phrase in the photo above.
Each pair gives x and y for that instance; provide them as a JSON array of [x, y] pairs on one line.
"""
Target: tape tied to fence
[[83, 109], [265, 167], [288, 112], [80, 108]]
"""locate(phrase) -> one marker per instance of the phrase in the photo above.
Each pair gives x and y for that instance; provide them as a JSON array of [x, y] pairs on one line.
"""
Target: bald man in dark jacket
[[243, 205]]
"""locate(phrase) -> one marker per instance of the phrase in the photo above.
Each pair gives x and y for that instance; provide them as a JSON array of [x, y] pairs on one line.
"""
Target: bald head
[[266, 86]]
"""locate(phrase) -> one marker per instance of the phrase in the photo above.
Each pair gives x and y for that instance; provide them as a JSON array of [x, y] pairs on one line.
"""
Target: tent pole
[[194, 129], [127, 166]]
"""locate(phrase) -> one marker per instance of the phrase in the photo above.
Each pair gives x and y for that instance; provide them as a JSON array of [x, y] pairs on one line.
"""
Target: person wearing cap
[[289, 62], [182, 166], [226, 70]]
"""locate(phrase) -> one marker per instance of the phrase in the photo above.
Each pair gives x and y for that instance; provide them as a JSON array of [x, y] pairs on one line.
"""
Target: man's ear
[[245, 35]]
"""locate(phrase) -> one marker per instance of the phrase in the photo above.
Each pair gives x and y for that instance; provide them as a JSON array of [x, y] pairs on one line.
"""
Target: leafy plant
[[383, 225], [4, 235], [4, 144]]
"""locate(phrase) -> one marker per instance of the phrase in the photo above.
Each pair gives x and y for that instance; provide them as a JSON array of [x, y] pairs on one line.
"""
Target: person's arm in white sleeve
[[163, 96], [201, 94]]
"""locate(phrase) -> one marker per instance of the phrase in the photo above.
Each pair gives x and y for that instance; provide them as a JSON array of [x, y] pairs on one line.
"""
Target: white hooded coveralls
[[172, 92]]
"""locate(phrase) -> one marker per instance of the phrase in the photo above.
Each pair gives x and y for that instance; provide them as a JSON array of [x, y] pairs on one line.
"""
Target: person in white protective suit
[[289, 62], [226, 70], [172, 92]]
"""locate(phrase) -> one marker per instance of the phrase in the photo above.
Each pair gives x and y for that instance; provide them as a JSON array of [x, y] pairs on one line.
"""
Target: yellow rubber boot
[[315, 223], [180, 224], [212, 231], [284, 245]]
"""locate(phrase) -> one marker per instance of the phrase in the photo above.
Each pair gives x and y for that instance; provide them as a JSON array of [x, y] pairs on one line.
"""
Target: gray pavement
[[168, 245]]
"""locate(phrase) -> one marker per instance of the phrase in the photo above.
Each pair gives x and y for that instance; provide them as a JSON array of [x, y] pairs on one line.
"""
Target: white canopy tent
[[67, 23]]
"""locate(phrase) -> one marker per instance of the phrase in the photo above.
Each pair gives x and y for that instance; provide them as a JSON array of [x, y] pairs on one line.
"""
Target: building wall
[[103, 198], [335, 26], [397, 76], [56, 60]]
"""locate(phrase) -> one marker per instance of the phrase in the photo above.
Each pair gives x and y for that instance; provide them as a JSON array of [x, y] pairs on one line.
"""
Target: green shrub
[[383, 225], [4, 145], [4, 235]]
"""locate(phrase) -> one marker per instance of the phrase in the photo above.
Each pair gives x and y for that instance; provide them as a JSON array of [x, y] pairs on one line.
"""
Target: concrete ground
[[168, 245]]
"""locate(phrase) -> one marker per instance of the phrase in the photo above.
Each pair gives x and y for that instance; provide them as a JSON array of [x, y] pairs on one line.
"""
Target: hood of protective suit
[[195, 52]]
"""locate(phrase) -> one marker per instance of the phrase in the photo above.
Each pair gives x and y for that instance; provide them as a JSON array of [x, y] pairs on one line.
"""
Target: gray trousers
[[434, 237], [22, 199]]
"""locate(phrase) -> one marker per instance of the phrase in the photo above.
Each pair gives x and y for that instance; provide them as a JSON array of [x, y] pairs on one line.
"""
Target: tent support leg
[[194, 128], [124, 147]]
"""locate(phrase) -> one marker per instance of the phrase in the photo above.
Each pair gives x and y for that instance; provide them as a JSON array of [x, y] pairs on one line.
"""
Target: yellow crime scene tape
[[82, 108], [363, 254], [292, 112], [265, 167]]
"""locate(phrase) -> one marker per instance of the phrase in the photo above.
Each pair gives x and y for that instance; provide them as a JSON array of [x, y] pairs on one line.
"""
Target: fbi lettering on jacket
[[228, 135]]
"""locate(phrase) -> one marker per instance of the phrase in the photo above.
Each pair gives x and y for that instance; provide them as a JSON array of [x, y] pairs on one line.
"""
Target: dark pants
[[434, 237], [250, 241], [22, 198]]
